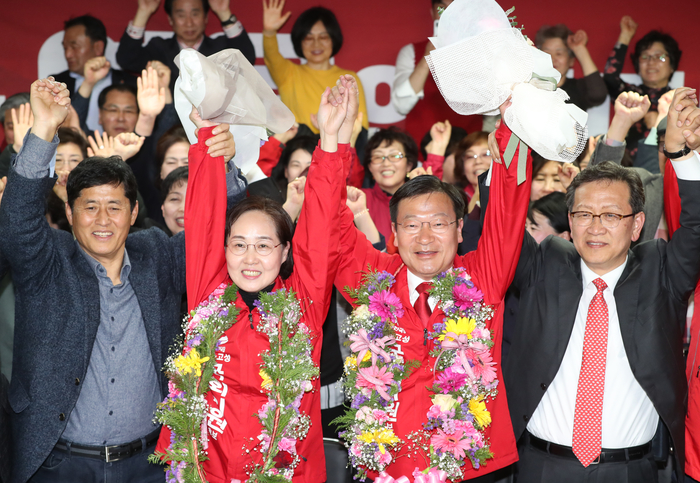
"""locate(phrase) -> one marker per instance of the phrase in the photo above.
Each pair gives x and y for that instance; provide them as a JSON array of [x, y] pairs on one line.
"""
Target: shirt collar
[[413, 281], [195, 46], [100, 271], [611, 278]]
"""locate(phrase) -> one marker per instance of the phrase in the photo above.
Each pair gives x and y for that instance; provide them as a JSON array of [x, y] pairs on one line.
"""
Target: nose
[[596, 226], [102, 217], [250, 256], [120, 115], [425, 234]]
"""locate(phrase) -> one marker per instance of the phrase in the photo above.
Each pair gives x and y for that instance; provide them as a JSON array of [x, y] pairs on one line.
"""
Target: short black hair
[[389, 135], [456, 135], [119, 88], [307, 143], [168, 6], [13, 102], [94, 28], [303, 25], [99, 171], [423, 185], [283, 224], [558, 31], [669, 43], [175, 178], [71, 135], [552, 207], [609, 172]]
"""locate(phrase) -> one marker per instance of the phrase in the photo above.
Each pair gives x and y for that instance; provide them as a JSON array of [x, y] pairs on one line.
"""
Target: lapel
[[570, 283], [410, 316], [627, 301], [144, 281]]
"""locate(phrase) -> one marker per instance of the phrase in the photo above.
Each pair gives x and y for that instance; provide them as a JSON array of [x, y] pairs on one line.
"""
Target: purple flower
[[377, 331], [381, 276], [359, 401], [465, 297]]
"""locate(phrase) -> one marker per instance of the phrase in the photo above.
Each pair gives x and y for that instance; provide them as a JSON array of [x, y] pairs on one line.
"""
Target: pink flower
[[203, 434], [450, 381], [385, 304], [375, 378], [465, 297], [434, 412], [356, 450], [484, 367], [364, 414], [380, 416], [383, 458], [288, 444], [452, 443]]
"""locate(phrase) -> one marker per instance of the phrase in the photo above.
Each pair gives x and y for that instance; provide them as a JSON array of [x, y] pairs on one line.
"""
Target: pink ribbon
[[362, 344], [461, 344], [433, 476], [379, 384]]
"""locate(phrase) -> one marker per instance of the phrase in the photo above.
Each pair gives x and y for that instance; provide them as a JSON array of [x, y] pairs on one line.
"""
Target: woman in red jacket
[[262, 410]]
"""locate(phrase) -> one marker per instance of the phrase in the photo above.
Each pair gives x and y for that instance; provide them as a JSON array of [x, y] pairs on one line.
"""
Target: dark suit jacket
[[133, 56], [58, 313], [118, 77], [651, 300]]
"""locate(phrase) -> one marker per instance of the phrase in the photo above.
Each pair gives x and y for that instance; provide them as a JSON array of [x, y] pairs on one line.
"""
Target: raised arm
[[132, 55], [273, 20], [630, 107], [613, 67], [493, 263], [594, 88]]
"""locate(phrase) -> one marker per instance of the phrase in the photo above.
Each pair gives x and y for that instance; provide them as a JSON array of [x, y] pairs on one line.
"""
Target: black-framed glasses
[[264, 248], [657, 57], [436, 226], [392, 157], [608, 220]]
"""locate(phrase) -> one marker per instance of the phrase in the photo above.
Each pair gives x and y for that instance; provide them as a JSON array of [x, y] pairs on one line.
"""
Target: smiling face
[[562, 60], [317, 46], [546, 181], [174, 208], [390, 174], [251, 271], [473, 167], [540, 228], [604, 249], [175, 156], [78, 48], [299, 162], [427, 253], [653, 72], [68, 156], [119, 113], [188, 21], [101, 217]]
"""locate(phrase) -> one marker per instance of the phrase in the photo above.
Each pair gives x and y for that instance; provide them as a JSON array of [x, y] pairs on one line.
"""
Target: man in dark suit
[[188, 19], [596, 364], [96, 313], [84, 44]]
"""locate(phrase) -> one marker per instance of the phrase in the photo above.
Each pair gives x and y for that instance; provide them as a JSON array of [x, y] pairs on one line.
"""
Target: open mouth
[[180, 222], [102, 235], [251, 274], [388, 173]]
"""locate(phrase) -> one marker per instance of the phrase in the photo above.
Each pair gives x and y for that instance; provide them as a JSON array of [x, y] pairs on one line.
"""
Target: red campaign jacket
[[492, 267], [235, 395], [378, 200], [270, 153]]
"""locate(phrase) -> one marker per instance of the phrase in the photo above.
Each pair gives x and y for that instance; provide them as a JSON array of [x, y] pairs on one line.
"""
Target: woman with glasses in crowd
[[655, 59], [316, 37]]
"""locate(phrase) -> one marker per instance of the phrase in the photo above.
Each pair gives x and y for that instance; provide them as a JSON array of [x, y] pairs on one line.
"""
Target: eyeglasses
[[657, 57], [485, 156], [262, 247], [608, 220], [323, 38], [436, 226], [392, 157]]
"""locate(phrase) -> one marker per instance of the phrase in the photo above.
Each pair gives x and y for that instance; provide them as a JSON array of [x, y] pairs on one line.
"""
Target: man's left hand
[[222, 9]]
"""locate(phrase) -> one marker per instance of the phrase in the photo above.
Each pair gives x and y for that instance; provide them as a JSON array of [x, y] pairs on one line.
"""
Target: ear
[[285, 252], [460, 227], [170, 20], [639, 219], [396, 236], [565, 235], [69, 214], [572, 58], [134, 213]]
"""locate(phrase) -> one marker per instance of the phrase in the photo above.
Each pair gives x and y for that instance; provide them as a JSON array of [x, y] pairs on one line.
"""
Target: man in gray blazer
[[96, 314]]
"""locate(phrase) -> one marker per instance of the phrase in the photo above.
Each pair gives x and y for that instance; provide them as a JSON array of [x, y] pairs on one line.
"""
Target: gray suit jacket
[[653, 188], [58, 313]]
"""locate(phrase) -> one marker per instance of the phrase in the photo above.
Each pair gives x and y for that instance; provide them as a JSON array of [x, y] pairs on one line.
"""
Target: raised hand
[[331, 115], [73, 121], [295, 197], [273, 19], [22, 120], [285, 136], [356, 129], [96, 69], [577, 40], [49, 101], [163, 72], [127, 144], [150, 96], [101, 145], [628, 28], [631, 106], [145, 9], [567, 173], [440, 134], [347, 86], [222, 143], [60, 187], [357, 200], [222, 9], [683, 119], [663, 105], [493, 144], [420, 171]]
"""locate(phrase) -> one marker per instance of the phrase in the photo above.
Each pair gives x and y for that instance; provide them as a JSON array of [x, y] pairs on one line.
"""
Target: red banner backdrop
[[374, 32]]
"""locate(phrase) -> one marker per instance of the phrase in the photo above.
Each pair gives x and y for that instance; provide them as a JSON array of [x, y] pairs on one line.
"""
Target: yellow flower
[[266, 380], [459, 327], [190, 362], [478, 408], [381, 437], [444, 401], [351, 363]]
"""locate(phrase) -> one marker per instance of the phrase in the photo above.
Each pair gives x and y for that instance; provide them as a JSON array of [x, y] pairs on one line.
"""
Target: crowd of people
[[384, 303]]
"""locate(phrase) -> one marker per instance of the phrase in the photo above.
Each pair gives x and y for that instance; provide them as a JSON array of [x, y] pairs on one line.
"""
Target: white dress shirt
[[403, 97], [413, 282]]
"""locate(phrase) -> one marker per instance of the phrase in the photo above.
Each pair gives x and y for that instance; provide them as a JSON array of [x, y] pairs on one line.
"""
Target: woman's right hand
[[273, 19], [628, 28]]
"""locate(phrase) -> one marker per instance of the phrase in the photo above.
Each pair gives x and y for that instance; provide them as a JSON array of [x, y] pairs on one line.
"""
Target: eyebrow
[[259, 237], [432, 215]]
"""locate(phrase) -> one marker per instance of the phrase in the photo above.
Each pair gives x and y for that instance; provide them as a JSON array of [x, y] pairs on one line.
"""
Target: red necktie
[[588, 414], [421, 306]]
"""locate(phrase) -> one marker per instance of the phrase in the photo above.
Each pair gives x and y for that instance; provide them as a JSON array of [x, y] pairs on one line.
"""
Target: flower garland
[[464, 378], [373, 374], [287, 370]]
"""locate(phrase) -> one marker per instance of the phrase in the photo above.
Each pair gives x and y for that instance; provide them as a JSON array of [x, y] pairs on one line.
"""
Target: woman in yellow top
[[316, 37]]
